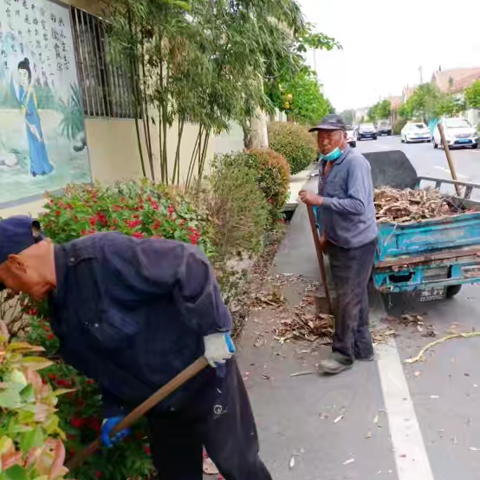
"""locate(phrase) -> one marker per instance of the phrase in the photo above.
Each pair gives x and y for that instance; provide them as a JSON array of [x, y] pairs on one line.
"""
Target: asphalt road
[[429, 161]]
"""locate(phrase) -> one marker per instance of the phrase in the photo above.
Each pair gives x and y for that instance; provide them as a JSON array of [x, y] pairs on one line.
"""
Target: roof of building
[[395, 102], [456, 79]]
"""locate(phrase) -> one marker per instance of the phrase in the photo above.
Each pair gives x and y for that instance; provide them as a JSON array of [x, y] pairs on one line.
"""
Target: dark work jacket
[[132, 314]]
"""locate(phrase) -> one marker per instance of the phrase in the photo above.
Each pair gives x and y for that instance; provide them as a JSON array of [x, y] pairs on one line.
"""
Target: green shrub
[[294, 143], [399, 124], [272, 172], [237, 207]]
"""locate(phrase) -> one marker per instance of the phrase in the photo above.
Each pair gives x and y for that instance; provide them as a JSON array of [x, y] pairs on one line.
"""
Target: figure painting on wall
[[39, 163], [43, 145]]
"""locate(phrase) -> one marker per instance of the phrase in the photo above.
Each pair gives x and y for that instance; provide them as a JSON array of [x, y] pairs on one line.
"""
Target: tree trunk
[[257, 136]]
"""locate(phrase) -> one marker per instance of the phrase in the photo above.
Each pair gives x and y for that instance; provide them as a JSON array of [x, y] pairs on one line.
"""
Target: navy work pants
[[351, 269], [222, 422]]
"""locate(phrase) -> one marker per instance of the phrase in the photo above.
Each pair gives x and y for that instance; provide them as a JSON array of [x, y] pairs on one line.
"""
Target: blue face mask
[[332, 156]]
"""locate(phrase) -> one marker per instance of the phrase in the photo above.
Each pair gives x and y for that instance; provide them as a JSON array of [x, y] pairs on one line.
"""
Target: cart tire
[[452, 290]]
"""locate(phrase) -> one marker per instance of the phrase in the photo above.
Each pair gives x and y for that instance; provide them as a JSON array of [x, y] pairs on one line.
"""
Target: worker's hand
[[108, 426], [219, 348], [310, 198], [323, 243]]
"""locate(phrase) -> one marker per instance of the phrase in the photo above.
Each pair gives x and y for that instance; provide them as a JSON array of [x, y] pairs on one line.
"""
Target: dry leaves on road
[[303, 326], [403, 206]]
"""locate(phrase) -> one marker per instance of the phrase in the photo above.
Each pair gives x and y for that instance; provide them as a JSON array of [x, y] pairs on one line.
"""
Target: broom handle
[[174, 384], [321, 262]]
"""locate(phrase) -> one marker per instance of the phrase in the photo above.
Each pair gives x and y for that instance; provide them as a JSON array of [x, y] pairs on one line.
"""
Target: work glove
[[219, 348], [108, 426]]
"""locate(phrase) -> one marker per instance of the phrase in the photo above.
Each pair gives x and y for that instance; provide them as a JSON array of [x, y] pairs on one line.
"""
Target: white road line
[[459, 175], [409, 449]]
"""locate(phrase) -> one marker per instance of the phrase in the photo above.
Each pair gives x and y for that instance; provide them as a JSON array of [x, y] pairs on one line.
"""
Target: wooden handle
[[449, 157], [174, 384], [321, 262]]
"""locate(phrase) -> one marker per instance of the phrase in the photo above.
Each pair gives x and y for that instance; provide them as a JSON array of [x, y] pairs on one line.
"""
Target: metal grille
[[104, 77]]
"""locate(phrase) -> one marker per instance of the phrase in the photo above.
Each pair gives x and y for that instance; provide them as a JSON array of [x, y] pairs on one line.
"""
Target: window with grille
[[104, 78]]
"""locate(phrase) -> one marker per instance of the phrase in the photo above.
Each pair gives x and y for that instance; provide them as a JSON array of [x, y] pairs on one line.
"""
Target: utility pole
[[420, 69]]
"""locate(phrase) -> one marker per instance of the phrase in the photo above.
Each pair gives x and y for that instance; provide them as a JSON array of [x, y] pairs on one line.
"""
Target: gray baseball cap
[[331, 122]]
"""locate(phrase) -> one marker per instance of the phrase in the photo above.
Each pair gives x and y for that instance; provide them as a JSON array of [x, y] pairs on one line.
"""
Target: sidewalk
[[326, 424], [297, 182]]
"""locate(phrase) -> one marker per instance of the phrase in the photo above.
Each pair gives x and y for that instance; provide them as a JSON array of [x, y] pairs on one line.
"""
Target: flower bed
[[143, 210]]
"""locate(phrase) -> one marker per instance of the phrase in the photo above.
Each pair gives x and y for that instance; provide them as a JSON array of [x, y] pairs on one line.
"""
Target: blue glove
[[108, 426]]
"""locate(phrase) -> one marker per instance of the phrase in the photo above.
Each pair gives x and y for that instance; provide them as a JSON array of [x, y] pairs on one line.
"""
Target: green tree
[[380, 110], [304, 101], [428, 102], [292, 64], [205, 62], [472, 95]]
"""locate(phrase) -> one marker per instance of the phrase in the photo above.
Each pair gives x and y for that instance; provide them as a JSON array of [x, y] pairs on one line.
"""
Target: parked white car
[[351, 136], [415, 132], [458, 133]]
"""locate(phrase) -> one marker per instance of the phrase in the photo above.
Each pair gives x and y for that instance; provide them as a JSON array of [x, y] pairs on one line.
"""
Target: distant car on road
[[384, 127], [458, 133], [366, 130], [351, 136], [415, 132]]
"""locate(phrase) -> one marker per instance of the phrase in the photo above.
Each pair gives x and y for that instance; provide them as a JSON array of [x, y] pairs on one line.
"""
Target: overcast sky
[[386, 41]]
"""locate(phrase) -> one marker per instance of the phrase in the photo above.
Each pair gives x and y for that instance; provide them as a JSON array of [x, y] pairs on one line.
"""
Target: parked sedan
[[351, 136], [366, 130], [458, 133], [415, 132], [384, 127]]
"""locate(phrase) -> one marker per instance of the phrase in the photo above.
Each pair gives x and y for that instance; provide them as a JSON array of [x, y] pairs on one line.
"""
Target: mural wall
[[42, 137]]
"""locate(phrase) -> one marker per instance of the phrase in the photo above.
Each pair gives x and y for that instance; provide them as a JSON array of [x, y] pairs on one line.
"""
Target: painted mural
[[42, 136]]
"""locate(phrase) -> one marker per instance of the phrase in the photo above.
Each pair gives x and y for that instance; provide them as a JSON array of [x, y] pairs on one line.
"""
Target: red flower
[[102, 218], [193, 239], [157, 225], [83, 233], [77, 422], [93, 220], [51, 376], [99, 474], [147, 450], [137, 235], [154, 205], [117, 208], [51, 337], [90, 381], [133, 223], [170, 209], [123, 200], [57, 213]]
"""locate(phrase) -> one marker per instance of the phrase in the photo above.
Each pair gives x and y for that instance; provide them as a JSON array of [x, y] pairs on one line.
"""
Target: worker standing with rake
[[348, 236], [132, 314]]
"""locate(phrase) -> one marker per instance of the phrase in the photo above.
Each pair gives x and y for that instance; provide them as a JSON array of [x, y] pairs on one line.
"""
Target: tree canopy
[[381, 110], [428, 102], [212, 63], [472, 95]]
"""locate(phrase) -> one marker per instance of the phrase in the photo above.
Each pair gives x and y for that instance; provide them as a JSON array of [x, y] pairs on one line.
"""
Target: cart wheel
[[453, 290]]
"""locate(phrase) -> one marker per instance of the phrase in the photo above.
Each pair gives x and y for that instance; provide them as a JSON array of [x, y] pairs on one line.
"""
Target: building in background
[[76, 114]]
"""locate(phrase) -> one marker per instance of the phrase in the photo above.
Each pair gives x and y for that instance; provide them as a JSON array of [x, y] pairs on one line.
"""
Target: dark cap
[[17, 234], [331, 122]]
